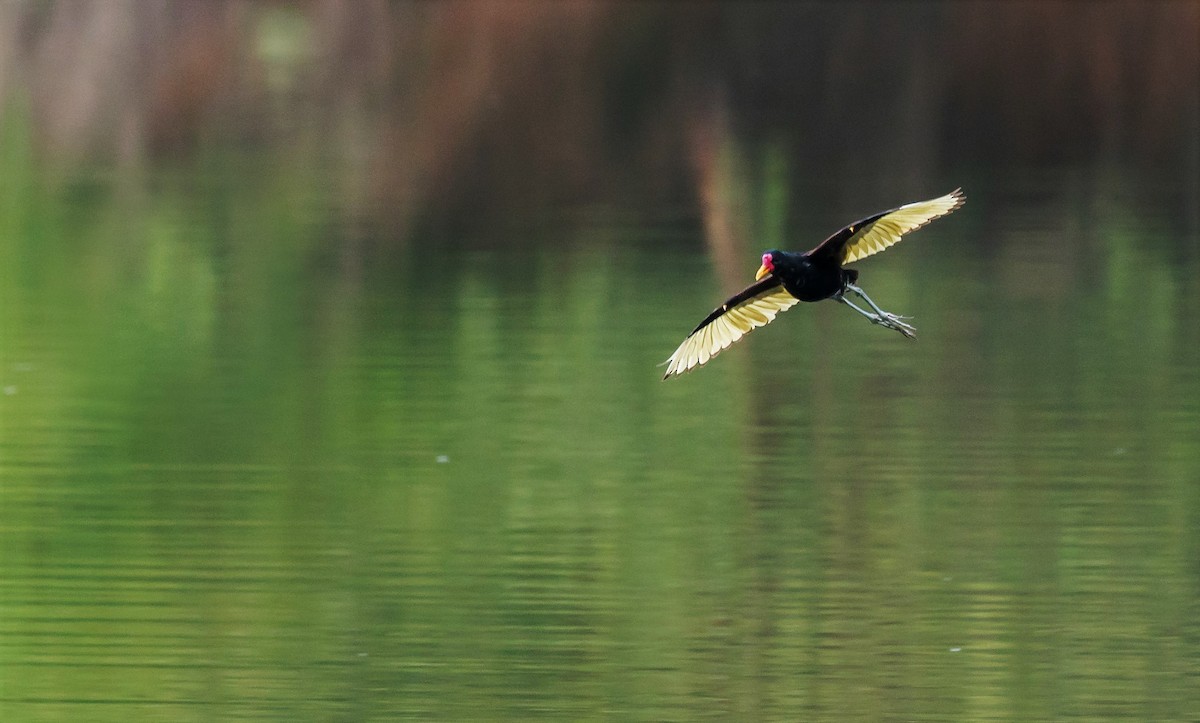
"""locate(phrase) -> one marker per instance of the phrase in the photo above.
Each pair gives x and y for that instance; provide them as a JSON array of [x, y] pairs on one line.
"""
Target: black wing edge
[[832, 247], [758, 288]]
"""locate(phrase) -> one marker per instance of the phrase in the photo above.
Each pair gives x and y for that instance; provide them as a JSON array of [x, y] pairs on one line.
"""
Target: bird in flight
[[785, 279]]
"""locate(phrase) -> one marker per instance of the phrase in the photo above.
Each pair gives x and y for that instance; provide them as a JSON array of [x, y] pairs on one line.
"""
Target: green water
[[257, 463]]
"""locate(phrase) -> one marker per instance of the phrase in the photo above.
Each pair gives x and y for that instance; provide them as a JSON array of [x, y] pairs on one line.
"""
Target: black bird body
[[808, 278], [786, 278]]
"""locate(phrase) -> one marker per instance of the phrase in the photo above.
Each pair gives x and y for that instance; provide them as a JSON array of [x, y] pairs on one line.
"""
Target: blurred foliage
[[455, 113]]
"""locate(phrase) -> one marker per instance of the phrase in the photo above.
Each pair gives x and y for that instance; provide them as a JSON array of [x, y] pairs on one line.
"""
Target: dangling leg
[[891, 321], [872, 317], [881, 317]]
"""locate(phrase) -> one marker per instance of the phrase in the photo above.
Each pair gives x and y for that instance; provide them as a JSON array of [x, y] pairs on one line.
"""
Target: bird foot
[[896, 322]]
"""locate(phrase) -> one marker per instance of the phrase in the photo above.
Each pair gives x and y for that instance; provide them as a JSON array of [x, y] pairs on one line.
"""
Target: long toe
[[905, 329], [892, 321]]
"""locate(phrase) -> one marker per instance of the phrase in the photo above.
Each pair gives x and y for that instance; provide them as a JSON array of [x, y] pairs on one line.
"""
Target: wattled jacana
[[784, 279]]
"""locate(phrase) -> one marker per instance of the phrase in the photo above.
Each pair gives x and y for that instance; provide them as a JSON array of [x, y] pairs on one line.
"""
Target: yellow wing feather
[[879, 233], [727, 327]]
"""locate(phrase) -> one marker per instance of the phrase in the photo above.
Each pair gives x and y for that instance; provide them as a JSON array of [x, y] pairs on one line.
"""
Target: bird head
[[768, 265]]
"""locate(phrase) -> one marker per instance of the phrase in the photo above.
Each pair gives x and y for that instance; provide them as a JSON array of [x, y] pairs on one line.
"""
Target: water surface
[[328, 346], [274, 484]]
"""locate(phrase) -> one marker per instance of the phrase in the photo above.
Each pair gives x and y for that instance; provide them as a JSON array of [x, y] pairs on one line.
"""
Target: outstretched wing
[[752, 307], [875, 233]]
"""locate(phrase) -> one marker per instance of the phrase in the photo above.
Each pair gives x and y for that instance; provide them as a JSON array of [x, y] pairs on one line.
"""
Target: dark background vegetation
[[463, 111]]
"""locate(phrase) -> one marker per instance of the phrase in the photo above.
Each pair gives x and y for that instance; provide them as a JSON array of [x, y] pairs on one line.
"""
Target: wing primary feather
[[756, 305], [883, 230]]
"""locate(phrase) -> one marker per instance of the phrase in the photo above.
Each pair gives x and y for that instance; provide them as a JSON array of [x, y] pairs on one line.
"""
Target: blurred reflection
[[327, 345]]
